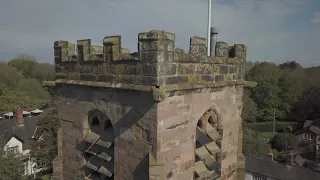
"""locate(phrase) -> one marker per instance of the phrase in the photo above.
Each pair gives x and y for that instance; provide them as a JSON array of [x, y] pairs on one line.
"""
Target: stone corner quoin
[[158, 113]]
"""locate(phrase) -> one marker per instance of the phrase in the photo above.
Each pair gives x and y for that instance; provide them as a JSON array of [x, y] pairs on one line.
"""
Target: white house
[[15, 145], [266, 169], [17, 135]]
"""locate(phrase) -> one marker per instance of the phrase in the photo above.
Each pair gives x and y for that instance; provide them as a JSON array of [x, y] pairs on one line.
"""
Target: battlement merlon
[[147, 43], [157, 63]]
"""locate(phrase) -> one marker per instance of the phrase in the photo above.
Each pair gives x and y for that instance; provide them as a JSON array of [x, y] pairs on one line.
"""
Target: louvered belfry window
[[99, 147], [208, 147]]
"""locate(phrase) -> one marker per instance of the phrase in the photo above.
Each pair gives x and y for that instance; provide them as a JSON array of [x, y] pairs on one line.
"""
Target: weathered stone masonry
[[155, 114]]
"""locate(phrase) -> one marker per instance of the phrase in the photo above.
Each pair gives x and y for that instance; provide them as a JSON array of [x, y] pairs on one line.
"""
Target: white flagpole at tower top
[[209, 27]]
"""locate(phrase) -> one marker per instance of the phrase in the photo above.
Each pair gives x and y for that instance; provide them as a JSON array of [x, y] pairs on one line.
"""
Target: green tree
[[24, 64], [29, 68], [291, 85], [250, 65], [308, 107], [46, 148], [249, 110], [11, 166], [43, 72], [11, 98], [9, 76], [313, 74], [34, 90], [266, 94], [254, 144], [283, 141]]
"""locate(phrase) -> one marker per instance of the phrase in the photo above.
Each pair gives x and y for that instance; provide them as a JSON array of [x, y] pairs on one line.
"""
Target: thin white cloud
[[263, 25]]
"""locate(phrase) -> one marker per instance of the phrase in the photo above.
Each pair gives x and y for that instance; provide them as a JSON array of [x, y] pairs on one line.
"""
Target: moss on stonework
[[61, 75], [215, 70], [77, 67], [74, 76], [152, 160], [119, 72], [158, 94], [250, 84], [194, 80], [228, 77], [137, 79], [102, 68], [219, 60], [234, 61]]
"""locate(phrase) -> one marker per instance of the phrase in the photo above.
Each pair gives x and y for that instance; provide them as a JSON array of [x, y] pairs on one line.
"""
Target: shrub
[[283, 141]]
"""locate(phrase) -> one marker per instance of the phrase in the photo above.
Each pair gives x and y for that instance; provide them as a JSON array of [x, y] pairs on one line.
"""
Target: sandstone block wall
[[133, 117], [176, 132]]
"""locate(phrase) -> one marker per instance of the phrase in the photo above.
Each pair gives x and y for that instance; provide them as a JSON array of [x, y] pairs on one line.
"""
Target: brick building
[[158, 113]]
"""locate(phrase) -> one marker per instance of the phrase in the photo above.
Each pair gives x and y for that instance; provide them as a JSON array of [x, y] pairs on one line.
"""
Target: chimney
[[213, 40], [270, 155], [292, 158], [19, 116]]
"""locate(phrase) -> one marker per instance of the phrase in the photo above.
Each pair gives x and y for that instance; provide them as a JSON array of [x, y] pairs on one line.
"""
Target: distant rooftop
[[309, 125], [9, 128], [279, 171]]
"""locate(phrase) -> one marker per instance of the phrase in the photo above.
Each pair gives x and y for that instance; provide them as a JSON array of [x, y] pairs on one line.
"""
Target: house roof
[[313, 126], [9, 128], [299, 160], [8, 114], [37, 111], [279, 171]]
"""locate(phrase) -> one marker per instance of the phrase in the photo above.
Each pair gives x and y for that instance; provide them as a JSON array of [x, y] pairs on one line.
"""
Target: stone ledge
[[168, 88], [159, 93]]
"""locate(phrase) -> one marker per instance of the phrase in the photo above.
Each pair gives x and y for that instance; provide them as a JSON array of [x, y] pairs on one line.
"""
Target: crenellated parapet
[[157, 63]]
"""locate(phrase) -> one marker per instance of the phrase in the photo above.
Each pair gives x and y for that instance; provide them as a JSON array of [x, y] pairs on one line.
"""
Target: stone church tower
[[156, 114]]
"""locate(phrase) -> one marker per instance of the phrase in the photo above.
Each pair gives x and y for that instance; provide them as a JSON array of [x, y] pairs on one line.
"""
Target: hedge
[[268, 126]]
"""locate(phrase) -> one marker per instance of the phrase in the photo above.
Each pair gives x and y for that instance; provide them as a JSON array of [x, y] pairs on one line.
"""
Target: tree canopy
[[287, 89], [11, 166], [20, 83], [45, 149]]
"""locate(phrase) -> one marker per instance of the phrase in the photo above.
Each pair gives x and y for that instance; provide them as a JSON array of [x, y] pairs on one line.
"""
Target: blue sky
[[273, 30]]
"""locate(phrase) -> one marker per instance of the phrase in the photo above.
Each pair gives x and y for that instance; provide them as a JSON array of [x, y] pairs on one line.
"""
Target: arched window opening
[[107, 125], [99, 149], [208, 147], [199, 124], [95, 121]]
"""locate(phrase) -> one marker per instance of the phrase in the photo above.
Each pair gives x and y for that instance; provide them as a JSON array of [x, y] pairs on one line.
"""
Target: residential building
[[17, 135], [308, 140], [266, 169]]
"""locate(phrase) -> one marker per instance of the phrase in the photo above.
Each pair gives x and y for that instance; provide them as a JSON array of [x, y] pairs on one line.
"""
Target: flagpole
[[209, 27]]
